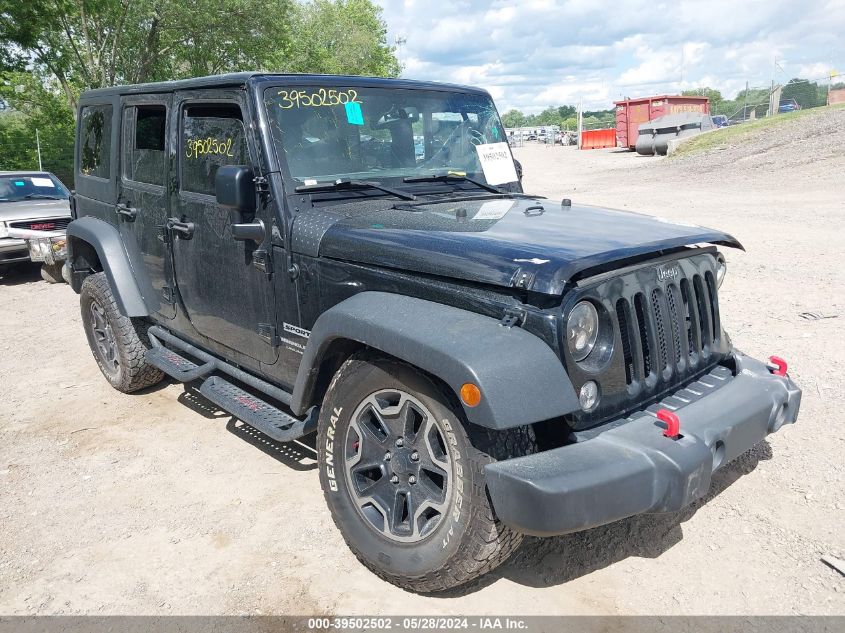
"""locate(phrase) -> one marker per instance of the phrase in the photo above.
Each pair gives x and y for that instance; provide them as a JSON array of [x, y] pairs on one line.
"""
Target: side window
[[144, 129], [95, 141], [212, 136]]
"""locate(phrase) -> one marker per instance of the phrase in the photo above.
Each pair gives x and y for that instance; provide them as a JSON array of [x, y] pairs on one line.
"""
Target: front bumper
[[12, 250], [632, 468], [17, 245]]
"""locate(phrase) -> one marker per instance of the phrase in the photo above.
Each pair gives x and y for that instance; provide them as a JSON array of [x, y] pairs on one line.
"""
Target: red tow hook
[[777, 365], [673, 423]]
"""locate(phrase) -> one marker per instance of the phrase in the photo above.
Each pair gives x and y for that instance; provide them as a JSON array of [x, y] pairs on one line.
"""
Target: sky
[[537, 53]]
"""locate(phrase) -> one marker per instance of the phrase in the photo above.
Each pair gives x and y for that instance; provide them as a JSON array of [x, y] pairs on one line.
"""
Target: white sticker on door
[[496, 163]]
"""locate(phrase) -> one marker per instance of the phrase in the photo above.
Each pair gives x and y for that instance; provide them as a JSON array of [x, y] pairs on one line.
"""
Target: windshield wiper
[[346, 184], [41, 195], [452, 176]]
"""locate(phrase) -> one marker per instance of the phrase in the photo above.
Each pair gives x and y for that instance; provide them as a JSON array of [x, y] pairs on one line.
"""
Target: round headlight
[[582, 329], [721, 269]]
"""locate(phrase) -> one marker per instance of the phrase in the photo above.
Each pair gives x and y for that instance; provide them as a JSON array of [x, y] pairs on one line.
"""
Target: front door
[[144, 199], [225, 296]]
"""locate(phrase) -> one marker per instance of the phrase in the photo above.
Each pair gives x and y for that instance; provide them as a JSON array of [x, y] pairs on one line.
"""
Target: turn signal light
[[470, 394]]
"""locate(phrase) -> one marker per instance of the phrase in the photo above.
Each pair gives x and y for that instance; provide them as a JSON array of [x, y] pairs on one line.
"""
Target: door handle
[[182, 230], [126, 212]]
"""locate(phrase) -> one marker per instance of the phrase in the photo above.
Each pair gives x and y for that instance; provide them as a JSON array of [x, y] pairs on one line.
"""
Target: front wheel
[[403, 476]]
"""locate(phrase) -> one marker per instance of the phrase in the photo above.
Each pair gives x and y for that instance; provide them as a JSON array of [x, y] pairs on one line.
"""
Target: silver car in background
[[34, 213]]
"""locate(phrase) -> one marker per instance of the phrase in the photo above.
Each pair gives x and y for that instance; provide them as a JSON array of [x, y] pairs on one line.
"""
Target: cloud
[[536, 53]]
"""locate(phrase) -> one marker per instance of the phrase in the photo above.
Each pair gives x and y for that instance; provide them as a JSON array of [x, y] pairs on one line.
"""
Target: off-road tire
[[469, 541], [52, 274], [131, 371]]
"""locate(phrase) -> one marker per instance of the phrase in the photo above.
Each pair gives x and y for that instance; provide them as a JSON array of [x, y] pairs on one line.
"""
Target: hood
[[537, 245], [35, 209]]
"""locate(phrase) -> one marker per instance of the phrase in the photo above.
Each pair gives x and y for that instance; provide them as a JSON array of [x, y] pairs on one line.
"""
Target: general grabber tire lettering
[[401, 471], [118, 343]]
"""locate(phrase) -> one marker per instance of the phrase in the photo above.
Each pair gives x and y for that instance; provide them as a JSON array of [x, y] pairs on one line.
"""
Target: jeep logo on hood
[[668, 272]]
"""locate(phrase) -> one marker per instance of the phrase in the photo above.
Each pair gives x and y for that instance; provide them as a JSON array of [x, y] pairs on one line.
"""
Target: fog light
[[589, 395]]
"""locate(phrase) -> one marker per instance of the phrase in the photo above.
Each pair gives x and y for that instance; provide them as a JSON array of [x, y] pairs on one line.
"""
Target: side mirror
[[518, 166], [234, 187]]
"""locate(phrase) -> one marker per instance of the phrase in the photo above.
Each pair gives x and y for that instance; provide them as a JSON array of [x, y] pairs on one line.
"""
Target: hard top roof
[[242, 78]]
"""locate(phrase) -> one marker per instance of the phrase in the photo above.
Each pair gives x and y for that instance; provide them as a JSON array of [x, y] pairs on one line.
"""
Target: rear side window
[[212, 136], [144, 129], [95, 141]]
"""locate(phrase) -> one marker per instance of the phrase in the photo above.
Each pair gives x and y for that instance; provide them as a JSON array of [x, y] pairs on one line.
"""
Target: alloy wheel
[[398, 466]]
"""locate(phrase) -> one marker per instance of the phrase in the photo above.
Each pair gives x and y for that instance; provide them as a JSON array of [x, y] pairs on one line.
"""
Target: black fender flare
[[521, 379], [132, 290]]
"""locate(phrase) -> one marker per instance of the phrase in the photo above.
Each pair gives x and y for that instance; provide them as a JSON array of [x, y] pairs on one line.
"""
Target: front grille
[[676, 327], [666, 316], [56, 224]]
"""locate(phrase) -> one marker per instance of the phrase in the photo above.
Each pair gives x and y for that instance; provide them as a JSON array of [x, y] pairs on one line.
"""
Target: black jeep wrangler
[[356, 257]]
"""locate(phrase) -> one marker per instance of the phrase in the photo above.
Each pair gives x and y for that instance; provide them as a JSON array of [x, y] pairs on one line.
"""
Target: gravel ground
[[159, 504]]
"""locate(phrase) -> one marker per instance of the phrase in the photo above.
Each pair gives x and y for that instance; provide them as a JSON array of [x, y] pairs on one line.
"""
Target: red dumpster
[[631, 113], [597, 139]]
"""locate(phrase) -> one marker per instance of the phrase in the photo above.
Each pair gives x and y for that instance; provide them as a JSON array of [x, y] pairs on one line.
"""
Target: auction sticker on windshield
[[496, 163]]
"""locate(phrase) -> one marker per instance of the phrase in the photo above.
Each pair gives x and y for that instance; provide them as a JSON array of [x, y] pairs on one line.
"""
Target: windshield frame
[[268, 88], [63, 194]]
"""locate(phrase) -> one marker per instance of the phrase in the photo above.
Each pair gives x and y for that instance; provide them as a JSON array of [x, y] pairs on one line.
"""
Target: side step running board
[[176, 366], [258, 414]]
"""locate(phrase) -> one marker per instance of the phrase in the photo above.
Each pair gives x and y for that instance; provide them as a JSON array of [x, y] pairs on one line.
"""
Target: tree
[[566, 111], [35, 104], [805, 93], [513, 118], [339, 37], [711, 93]]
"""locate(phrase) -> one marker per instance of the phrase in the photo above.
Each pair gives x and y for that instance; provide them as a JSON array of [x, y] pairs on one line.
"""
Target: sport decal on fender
[[293, 329]]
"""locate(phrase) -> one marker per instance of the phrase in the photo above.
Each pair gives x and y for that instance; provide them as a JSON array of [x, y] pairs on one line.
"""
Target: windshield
[[376, 133], [44, 186]]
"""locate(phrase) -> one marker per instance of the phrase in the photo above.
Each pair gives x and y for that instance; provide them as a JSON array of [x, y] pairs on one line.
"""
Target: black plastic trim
[[521, 379], [132, 291]]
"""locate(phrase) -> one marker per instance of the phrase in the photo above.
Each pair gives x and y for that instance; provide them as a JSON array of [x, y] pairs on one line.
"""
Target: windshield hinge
[[513, 316], [261, 184], [261, 260]]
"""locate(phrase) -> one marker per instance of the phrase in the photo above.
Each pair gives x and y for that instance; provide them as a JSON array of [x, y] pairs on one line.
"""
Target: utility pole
[[745, 107], [38, 146], [580, 122]]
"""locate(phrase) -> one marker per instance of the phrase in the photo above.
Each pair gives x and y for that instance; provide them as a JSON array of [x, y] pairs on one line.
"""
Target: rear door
[[225, 296], [145, 184]]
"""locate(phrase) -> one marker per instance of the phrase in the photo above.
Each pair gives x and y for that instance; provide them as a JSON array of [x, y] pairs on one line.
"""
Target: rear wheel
[[402, 475], [119, 344]]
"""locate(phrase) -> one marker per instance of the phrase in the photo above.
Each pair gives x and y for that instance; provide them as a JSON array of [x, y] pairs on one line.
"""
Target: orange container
[[598, 139]]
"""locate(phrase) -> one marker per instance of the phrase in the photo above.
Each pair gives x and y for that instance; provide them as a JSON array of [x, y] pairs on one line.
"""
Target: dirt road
[[158, 504]]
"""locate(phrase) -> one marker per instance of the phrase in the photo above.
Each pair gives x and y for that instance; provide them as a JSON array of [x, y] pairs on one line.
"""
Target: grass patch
[[739, 133]]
